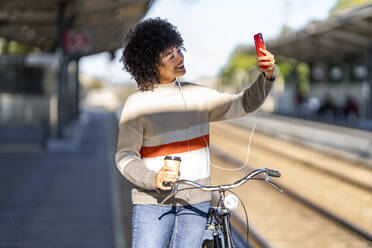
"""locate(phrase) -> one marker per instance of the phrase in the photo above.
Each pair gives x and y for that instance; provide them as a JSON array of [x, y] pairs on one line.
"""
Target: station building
[[338, 54], [41, 89]]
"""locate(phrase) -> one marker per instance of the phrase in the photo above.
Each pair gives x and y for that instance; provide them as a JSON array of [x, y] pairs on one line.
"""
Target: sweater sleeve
[[127, 157], [222, 106]]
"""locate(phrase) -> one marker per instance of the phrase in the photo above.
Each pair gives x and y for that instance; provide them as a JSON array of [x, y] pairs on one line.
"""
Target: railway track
[[321, 205]]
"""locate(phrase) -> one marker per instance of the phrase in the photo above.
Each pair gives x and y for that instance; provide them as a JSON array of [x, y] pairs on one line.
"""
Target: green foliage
[[345, 4], [2, 46], [242, 67], [243, 61], [286, 66], [18, 48], [237, 69], [303, 74]]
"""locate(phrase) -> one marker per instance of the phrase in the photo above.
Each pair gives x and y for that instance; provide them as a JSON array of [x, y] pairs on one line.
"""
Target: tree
[[347, 4], [242, 68], [237, 69], [17, 48]]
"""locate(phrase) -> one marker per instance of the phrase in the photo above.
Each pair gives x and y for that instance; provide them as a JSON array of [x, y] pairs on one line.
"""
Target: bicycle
[[218, 218]]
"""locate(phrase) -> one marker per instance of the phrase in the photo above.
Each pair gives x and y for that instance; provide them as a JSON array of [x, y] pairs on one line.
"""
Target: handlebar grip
[[273, 173]]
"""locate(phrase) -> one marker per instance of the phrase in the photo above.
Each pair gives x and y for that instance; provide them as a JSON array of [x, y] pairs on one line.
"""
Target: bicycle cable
[[245, 213]]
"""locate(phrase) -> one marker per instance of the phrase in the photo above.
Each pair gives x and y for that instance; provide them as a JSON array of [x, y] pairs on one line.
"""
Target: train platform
[[69, 194], [64, 196]]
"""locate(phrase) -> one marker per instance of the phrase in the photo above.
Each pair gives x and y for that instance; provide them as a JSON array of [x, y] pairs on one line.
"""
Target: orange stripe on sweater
[[175, 147]]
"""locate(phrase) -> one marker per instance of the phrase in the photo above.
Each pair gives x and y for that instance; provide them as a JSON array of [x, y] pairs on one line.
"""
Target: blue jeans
[[153, 226]]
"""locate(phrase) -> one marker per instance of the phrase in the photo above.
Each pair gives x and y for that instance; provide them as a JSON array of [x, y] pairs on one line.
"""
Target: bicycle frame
[[219, 224]]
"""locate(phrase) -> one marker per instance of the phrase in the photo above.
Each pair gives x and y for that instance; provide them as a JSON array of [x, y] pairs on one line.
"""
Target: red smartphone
[[259, 43]]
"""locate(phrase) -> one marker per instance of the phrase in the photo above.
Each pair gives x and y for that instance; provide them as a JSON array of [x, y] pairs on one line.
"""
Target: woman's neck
[[167, 81]]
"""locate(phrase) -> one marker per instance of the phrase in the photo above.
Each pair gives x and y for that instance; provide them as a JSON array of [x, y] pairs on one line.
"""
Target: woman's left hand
[[268, 61]]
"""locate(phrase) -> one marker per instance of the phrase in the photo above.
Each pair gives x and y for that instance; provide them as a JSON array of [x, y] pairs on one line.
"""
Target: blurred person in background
[[328, 108], [351, 109], [166, 117]]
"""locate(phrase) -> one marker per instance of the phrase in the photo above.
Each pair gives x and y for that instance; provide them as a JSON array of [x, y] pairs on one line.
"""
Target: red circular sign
[[77, 41]]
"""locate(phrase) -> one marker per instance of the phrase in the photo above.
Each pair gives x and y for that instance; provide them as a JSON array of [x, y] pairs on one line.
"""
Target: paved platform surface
[[61, 196]]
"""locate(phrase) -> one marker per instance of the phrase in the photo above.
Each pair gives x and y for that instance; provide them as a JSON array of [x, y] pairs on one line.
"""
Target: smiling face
[[171, 65]]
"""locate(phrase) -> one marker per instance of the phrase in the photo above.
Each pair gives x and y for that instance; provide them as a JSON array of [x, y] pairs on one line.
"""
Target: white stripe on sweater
[[126, 158], [194, 164]]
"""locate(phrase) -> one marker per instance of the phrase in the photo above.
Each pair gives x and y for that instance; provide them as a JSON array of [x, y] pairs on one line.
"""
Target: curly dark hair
[[145, 45]]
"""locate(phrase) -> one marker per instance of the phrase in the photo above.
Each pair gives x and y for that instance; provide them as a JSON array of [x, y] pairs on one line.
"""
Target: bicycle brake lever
[[268, 179], [275, 185]]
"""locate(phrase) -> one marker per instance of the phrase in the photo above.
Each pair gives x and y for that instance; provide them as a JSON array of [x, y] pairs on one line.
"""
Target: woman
[[168, 117]]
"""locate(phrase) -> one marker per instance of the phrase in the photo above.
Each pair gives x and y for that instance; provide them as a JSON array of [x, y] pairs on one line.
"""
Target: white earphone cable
[[207, 145]]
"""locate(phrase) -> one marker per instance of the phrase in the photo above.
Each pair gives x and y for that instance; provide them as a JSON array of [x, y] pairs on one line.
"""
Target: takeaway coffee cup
[[173, 163]]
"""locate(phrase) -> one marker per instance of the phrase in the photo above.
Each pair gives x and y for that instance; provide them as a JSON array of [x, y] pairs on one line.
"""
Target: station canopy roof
[[341, 38], [104, 22]]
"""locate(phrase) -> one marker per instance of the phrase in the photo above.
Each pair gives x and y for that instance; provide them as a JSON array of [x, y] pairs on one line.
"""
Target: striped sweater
[[173, 121]]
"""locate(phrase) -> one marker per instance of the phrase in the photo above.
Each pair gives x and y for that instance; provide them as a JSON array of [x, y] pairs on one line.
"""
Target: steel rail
[[317, 208]]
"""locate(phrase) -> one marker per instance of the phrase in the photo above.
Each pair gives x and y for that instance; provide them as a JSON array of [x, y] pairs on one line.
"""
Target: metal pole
[[77, 91], [61, 70], [369, 80], [73, 89], [6, 70]]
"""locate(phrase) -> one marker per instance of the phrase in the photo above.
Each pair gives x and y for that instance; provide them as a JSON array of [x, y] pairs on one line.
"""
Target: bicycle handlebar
[[267, 172]]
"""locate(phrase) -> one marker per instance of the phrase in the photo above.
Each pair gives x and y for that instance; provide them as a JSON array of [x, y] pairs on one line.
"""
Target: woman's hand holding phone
[[266, 60], [266, 63]]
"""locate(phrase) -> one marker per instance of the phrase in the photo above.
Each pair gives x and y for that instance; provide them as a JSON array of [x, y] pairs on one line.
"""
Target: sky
[[211, 29]]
